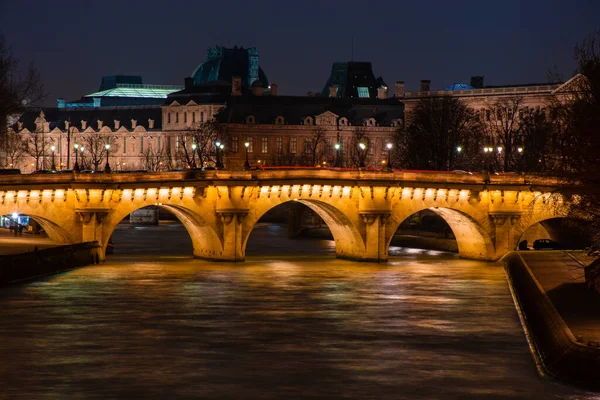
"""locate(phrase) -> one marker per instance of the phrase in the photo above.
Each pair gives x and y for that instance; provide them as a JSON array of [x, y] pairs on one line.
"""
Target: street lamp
[[247, 164], [53, 164], [76, 166], [107, 167], [337, 155], [194, 147], [218, 164], [81, 148], [362, 154], [389, 157], [222, 147]]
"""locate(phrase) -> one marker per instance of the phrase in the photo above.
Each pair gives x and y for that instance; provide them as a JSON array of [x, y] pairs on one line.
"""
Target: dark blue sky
[[74, 43]]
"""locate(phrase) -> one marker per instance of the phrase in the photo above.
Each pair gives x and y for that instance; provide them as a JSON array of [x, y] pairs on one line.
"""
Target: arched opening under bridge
[[569, 233]]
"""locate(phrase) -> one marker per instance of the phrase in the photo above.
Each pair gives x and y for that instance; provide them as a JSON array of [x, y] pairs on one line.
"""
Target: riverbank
[[559, 314], [10, 244], [39, 263]]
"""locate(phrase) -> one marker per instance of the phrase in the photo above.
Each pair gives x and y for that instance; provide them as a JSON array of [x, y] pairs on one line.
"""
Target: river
[[291, 322]]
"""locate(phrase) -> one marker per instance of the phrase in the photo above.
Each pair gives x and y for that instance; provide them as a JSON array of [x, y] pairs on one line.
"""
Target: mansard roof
[[295, 109], [203, 93], [57, 117]]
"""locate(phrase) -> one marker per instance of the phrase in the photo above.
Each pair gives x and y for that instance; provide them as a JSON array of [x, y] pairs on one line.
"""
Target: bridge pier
[[376, 248], [232, 238], [92, 228], [505, 240]]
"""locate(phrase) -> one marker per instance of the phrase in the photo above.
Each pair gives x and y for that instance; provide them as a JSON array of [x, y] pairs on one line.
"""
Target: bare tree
[[283, 155], [358, 147], [154, 160], [198, 145], [95, 149], [315, 145], [17, 91], [442, 134], [15, 148], [37, 146]]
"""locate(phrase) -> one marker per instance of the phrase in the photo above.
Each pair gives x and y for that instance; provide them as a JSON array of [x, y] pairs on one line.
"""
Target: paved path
[[22, 244], [563, 280]]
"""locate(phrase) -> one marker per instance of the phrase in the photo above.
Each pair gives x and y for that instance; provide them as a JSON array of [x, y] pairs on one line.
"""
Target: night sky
[[75, 43]]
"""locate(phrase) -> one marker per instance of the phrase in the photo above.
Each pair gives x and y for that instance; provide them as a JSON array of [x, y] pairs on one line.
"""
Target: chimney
[[189, 82], [274, 89], [257, 89], [133, 123], [100, 124], [61, 103], [117, 124], [236, 86], [150, 123], [399, 89], [83, 125], [425, 85], [333, 91], [382, 92], [477, 82]]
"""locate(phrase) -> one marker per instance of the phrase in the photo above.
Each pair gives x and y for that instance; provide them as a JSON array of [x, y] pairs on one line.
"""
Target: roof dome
[[222, 64], [459, 86]]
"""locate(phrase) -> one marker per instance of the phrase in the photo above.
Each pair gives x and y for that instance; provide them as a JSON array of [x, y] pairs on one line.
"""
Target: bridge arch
[[472, 239], [65, 232], [205, 240], [349, 242]]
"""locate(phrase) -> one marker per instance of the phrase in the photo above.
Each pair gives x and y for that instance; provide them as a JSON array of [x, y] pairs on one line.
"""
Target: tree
[[575, 152], [198, 145], [37, 146], [315, 146], [17, 91], [95, 149], [155, 160], [358, 147], [442, 134], [15, 148]]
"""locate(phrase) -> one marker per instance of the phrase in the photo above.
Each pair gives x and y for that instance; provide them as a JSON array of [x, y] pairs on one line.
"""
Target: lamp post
[[389, 166], [362, 155], [107, 167], [194, 147], [218, 164], [53, 164], [337, 155], [81, 148], [222, 147], [76, 166], [247, 164]]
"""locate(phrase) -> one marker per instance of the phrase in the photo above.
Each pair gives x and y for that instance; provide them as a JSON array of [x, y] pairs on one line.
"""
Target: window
[[251, 147], [235, 144], [176, 117], [279, 145], [141, 144], [169, 118], [125, 143], [363, 91], [201, 116], [265, 145], [293, 145], [488, 115], [185, 117], [510, 114], [193, 116], [307, 146], [499, 113], [158, 143]]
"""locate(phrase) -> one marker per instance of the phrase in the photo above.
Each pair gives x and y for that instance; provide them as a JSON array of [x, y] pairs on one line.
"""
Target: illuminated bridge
[[219, 209]]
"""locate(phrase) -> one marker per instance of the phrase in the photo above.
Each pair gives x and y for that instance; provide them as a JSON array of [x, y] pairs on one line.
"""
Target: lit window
[[251, 147], [279, 144], [125, 144], [307, 146], [293, 145], [141, 144], [363, 91], [265, 145], [235, 144]]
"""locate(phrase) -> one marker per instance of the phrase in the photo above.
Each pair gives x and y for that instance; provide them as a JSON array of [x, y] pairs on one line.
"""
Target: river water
[[291, 322]]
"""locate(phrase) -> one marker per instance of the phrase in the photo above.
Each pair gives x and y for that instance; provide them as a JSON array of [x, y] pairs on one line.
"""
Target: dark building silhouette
[[352, 79]]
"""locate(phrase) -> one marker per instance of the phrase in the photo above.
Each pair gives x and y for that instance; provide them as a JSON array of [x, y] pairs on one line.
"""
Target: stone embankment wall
[[35, 264], [556, 350]]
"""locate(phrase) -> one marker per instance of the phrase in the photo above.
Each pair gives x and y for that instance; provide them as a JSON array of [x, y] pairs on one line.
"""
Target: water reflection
[[270, 328]]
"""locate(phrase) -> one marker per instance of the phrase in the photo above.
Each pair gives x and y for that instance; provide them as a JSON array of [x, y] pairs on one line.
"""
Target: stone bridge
[[219, 209]]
